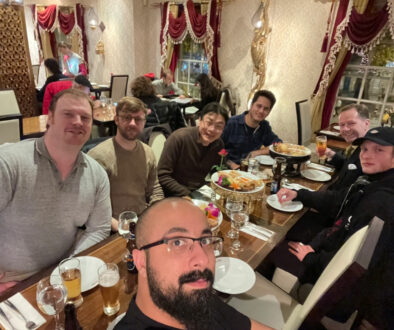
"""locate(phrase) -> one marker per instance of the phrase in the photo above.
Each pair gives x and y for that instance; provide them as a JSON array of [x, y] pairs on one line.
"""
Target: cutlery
[[6, 318], [29, 324]]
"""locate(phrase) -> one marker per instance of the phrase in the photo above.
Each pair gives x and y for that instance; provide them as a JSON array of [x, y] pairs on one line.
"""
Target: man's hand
[[259, 152], [286, 195], [232, 165], [6, 285], [329, 153], [182, 96], [300, 250]]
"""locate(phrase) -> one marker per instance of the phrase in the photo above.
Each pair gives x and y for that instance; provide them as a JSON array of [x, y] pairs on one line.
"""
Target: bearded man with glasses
[[129, 163], [176, 264], [189, 153]]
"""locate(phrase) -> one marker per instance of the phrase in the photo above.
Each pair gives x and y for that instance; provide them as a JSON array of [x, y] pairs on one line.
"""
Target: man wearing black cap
[[80, 82], [371, 195]]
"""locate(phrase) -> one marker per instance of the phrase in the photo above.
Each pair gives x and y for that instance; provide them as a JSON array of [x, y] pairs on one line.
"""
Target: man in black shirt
[[176, 262]]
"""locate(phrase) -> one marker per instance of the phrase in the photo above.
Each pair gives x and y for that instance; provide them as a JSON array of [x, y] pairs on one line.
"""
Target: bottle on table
[[71, 321], [131, 245], [277, 170]]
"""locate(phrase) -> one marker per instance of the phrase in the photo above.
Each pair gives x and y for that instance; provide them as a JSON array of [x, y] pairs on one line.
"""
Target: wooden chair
[[118, 88], [304, 120], [269, 305], [10, 117], [226, 101]]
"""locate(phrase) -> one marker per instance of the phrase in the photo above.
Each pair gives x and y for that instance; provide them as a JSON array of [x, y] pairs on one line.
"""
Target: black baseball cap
[[82, 80], [380, 135]]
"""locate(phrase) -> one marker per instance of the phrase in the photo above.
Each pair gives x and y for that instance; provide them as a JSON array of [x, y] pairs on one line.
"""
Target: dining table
[[90, 314], [35, 126], [103, 117]]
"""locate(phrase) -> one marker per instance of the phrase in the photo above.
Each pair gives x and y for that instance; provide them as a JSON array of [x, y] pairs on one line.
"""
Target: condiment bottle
[[71, 321], [277, 171]]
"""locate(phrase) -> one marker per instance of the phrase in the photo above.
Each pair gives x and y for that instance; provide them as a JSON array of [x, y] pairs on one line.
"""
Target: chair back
[[118, 87], [304, 121], [36, 72], [10, 117], [156, 142], [226, 101], [339, 277]]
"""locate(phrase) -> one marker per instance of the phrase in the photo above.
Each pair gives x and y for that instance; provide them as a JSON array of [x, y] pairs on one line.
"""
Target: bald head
[[156, 218]]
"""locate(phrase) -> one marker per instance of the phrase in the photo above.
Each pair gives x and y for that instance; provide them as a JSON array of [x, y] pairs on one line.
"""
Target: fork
[[3, 314], [29, 324]]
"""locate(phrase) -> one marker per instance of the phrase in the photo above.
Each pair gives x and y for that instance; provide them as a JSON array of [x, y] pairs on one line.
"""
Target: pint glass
[[70, 271], [108, 276]]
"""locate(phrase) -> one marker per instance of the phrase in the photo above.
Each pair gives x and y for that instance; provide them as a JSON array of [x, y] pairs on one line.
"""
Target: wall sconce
[[93, 19], [257, 19]]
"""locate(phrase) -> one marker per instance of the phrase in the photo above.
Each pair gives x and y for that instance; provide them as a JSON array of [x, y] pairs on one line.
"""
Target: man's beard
[[193, 309], [125, 134]]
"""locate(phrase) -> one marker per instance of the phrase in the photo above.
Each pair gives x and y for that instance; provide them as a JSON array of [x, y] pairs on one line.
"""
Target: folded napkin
[[16, 320], [329, 133], [257, 231], [207, 191], [296, 186], [321, 167]]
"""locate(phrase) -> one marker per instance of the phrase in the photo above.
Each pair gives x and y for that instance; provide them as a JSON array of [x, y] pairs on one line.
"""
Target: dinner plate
[[272, 200], [89, 267], [215, 178], [115, 321], [316, 175], [233, 276], [336, 127], [265, 160], [199, 202]]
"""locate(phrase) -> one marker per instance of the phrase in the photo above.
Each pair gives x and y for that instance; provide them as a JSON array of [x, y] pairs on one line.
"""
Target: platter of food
[[239, 181], [290, 150], [214, 216]]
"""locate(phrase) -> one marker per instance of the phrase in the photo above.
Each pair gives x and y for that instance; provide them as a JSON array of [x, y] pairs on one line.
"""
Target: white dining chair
[[118, 87], [268, 304], [10, 117]]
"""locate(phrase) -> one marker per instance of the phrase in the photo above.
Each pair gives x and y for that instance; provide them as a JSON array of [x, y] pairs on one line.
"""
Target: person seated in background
[[176, 264], [189, 153], [249, 133], [208, 92], [53, 67], [129, 163], [150, 76], [80, 82], [49, 189], [166, 86], [370, 195], [353, 123], [73, 64], [161, 112]]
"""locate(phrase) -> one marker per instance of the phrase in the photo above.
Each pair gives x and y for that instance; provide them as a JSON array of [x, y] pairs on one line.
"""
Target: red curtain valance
[[47, 19]]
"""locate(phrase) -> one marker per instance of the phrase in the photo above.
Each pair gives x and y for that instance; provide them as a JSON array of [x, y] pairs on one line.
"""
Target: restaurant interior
[[316, 56]]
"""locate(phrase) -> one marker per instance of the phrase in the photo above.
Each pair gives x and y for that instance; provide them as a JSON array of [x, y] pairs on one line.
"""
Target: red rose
[[223, 153]]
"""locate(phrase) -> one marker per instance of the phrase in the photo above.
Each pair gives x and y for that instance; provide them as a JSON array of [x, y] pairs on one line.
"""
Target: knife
[[3, 314]]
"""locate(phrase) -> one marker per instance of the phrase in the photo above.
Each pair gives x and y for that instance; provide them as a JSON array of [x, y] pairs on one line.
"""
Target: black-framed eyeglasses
[[128, 119], [182, 244]]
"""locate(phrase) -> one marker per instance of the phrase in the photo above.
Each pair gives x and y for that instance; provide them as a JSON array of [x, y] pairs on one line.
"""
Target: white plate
[[265, 160], [215, 177], [198, 202], [103, 86], [336, 127], [272, 201], [89, 267], [233, 276], [114, 322], [316, 175]]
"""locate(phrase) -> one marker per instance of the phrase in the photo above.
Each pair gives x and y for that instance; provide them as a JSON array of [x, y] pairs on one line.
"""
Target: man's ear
[[139, 258]]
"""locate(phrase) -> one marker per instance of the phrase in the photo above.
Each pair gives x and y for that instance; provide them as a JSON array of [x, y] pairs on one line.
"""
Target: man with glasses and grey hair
[[129, 163], [176, 264]]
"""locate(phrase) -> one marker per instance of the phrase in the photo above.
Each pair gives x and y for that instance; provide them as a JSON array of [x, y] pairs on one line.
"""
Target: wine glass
[[125, 219], [233, 204], [238, 220], [51, 297]]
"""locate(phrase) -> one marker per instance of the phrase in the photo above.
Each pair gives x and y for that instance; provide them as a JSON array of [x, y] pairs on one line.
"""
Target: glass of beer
[[70, 271], [109, 281], [321, 146]]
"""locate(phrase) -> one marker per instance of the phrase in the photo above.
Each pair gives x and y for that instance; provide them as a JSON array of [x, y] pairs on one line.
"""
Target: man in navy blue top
[[247, 133]]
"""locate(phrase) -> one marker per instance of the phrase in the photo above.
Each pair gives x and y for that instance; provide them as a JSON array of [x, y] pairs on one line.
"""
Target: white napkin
[[25, 308], [321, 167], [257, 231], [207, 192], [296, 186], [329, 133]]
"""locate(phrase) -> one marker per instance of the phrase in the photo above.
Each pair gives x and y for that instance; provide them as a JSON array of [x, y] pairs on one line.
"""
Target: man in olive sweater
[[190, 153]]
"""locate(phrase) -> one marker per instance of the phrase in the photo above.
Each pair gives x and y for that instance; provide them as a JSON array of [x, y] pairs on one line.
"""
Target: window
[[370, 84], [192, 61]]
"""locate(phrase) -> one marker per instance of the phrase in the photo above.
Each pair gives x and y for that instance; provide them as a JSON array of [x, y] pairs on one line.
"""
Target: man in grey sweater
[[49, 188]]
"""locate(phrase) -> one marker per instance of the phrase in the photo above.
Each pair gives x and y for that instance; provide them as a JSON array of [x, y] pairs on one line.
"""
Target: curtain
[[356, 30], [203, 28]]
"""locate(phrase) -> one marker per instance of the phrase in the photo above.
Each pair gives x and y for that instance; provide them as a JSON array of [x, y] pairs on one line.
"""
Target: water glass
[[253, 166], [70, 271], [238, 220], [109, 281], [51, 297], [125, 219], [233, 204]]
